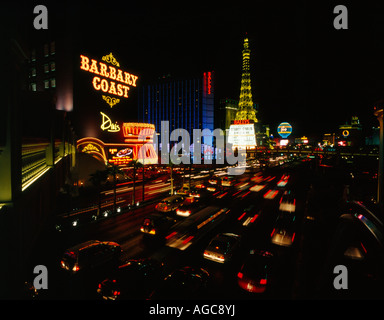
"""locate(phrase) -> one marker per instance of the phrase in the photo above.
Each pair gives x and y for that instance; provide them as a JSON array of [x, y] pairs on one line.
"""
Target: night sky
[[302, 69]]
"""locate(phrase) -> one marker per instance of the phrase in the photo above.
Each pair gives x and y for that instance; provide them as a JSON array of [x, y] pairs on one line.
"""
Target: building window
[[33, 55], [46, 50], [53, 83], [33, 86], [53, 47], [46, 84], [53, 66], [33, 72], [46, 68]]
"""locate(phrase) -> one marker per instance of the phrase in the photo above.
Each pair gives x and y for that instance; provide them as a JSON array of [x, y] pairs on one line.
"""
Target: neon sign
[[107, 124], [108, 78], [245, 121], [208, 82], [284, 129]]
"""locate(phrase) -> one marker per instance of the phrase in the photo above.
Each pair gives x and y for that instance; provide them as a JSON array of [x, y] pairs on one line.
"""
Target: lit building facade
[[186, 103], [350, 134]]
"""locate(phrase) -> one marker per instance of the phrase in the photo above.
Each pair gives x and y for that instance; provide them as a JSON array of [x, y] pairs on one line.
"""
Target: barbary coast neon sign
[[108, 78]]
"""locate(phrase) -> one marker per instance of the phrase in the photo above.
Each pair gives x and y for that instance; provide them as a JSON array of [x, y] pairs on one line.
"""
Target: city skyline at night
[[302, 68], [204, 152]]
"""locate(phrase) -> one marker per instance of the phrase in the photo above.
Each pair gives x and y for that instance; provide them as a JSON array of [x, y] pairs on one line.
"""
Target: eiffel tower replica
[[246, 110]]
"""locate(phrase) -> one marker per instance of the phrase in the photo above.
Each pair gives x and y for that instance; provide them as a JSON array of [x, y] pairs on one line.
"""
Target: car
[[249, 215], [190, 206], [170, 204], [214, 180], [228, 181], [184, 283], [283, 181], [199, 193], [222, 247], [90, 255], [283, 233], [287, 202], [135, 279], [255, 272], [156, 225], [183, 191]]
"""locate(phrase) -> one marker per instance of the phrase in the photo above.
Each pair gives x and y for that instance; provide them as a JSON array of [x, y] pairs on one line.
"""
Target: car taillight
[[263, 282], [240, 275], [62, 264], [116, 293], [75, 268]]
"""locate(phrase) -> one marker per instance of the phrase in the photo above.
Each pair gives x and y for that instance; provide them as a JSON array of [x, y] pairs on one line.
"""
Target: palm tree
[[114, 170], [97, 179], [135, 164]]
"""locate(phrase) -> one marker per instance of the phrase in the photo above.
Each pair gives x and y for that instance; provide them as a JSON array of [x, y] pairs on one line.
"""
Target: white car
[[222, 247], [287, 202], [283, 233]]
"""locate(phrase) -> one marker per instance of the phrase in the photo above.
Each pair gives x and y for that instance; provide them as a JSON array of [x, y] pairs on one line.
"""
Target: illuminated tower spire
[[246, 110]]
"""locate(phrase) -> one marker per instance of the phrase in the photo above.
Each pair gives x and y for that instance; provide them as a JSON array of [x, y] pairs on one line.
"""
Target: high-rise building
[[186, 103]]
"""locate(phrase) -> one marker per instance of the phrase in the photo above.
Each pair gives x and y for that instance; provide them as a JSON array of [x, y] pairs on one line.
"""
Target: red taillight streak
[[273, 231], [254, 218], [246, 194], [365, 250], [293, 237], [266, 195], [237, 193], [241, 217], [170, 235], [188, 239]]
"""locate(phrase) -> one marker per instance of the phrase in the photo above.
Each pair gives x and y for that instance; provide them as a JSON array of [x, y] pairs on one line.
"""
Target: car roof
[[176, 196], [87, 244]]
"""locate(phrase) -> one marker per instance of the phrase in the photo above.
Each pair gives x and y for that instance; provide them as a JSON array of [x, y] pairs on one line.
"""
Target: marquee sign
[[242, 135], [109, 78]]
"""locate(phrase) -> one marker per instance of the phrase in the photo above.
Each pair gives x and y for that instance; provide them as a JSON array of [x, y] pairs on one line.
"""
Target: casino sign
[[284, 130], [109, 79]]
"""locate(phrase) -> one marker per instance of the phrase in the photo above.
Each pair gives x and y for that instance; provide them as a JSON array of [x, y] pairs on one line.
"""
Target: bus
[[186, 232]]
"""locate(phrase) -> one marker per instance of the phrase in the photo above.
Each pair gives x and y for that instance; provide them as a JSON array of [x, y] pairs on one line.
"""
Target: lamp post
[[380, 200]]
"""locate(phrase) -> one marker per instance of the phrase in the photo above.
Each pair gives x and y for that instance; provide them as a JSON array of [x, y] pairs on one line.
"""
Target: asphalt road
[[298, 269]]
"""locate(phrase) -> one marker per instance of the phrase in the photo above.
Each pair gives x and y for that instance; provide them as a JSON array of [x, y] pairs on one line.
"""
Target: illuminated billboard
[[103, 96], [284, 130], [108, 78], [138, 145], [242, 134]]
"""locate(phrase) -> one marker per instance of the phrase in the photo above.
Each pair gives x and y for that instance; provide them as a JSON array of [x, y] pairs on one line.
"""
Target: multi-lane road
[[248, 208]]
